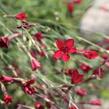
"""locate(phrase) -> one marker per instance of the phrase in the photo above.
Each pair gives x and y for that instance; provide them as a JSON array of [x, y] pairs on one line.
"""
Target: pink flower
[[95, 102], [76, 78], [81, 92], [21, 16], [65, 48], [35, 64], [4, 42], [38, 105], [86, 68], [90, 54], [7, 99], [6, 79]]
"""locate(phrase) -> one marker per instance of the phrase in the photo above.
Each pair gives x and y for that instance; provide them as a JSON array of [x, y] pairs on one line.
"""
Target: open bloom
[[65, 48], [95, 102], [7, 99], [35, 64], [76, 78], [21, 16], [38, 105]]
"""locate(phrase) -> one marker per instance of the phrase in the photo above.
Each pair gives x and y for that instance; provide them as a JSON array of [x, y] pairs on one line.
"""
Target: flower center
[[65, 49]]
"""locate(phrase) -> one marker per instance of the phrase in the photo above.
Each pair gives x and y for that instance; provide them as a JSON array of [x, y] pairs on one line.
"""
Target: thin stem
[[93, 44]]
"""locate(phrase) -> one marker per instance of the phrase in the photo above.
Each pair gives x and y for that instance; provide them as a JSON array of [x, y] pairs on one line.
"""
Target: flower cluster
[[35, 82]]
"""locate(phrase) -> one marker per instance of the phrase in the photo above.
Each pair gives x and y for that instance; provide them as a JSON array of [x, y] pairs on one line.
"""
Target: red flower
[[86, 68], [28, 88], [29, 82], [38, 105], [4, 42], [38, 36], [35, 64], [7, 99], [69, 72], [105, 56], [70, 7], [65, 48], [90, 54], [76, 78], [6, 79], [73, 107], [77, 1], [81, 92], [33, 53], [21, 16], [99, 72], [42, 53], [95, 102]]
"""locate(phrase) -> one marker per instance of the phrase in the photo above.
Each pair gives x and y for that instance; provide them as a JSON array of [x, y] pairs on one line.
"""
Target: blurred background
[[87, 20]]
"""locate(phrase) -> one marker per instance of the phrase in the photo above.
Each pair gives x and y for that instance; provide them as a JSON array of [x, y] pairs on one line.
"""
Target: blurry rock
[[96, 19]]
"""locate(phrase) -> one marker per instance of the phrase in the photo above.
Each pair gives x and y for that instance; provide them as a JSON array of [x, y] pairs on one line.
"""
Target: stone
[[96, 19]]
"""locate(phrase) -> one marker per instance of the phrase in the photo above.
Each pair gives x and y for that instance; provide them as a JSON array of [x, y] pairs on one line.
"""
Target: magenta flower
[[7, 99], [81, 92], [38, 105], [35, 64], [76, 78], [38, 37], [95, 102], [65, 47], [27, 88], [4, 42], [6, 79], [70, 7], [73, 107], [99, 72], [90, 54], [21, 16], [86, 68], [77, 1]]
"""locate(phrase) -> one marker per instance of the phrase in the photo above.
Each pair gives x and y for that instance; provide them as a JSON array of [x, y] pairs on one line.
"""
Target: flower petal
[[60, 43], [65, 57], [69, 43], [76, 78], [58, 54], [72, 50]]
